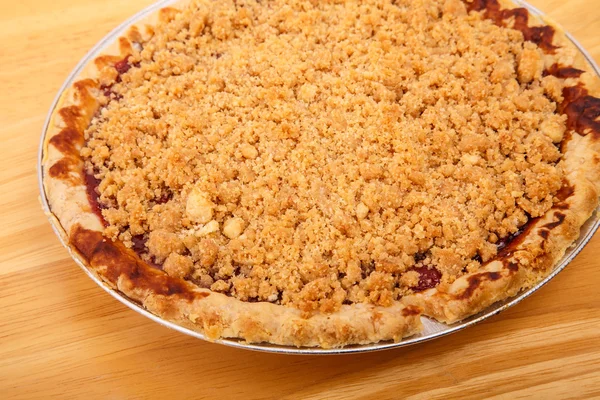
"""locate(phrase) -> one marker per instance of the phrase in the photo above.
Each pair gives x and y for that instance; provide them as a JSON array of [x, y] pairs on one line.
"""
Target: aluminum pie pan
[[432, 329]]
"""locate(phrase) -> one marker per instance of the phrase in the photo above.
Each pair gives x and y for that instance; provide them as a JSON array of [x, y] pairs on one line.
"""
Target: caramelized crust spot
[[67, 169], [68, 141], [122, 266]]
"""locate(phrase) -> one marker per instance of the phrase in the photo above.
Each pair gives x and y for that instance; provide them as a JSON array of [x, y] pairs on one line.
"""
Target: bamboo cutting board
[[62, 336]]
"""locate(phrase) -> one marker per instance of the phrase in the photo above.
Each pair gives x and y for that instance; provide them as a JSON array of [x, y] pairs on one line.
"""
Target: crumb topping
[[316, 153]]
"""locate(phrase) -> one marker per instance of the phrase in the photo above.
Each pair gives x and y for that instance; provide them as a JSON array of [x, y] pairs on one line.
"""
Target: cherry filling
[[139, 244], [429, 277], [504, 242], [91, 184], [123, 66], [140, 248], [108, 92]]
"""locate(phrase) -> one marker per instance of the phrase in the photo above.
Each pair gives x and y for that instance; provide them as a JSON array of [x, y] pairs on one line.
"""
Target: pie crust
[[526, 260]]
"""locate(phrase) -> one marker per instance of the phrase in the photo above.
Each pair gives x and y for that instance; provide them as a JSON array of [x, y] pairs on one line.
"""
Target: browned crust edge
[[217, 316]]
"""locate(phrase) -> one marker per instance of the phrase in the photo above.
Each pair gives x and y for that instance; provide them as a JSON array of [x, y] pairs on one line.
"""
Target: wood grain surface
[[63, 337]]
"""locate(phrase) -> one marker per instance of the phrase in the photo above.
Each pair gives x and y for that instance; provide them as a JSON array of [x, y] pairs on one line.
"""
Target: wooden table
[[62, 336]]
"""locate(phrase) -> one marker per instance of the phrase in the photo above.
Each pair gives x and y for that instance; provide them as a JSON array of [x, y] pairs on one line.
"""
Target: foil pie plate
[[432, 329]]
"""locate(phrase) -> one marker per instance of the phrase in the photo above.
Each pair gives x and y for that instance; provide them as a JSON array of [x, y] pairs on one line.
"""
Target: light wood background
[[61, 336]]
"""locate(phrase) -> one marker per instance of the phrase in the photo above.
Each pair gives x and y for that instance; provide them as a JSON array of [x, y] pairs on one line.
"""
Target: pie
[[325, 172]]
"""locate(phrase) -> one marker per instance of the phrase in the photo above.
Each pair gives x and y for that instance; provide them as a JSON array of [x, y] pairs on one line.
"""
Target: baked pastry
[[324, 173]]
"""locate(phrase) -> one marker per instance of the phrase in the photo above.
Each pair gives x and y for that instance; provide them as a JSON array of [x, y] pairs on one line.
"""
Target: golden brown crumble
[[320, 152]]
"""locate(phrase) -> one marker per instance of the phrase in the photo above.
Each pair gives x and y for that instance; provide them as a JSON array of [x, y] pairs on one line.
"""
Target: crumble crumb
[[312, 153]]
